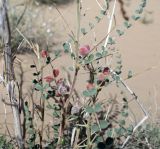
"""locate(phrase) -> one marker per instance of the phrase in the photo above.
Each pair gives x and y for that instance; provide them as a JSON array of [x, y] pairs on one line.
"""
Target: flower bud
[[44, 53], [55, 72], [48, 79], [106, 71], [84, 50], [90, 86]]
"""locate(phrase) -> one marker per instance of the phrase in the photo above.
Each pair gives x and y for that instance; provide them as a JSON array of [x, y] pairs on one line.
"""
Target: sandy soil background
[[139, 47]]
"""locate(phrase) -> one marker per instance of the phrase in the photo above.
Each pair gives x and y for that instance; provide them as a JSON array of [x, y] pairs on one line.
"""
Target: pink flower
[[55, 72], [106, 71], [101, 77], [48, 79], [59, 81], [44, 53], [84, 50], [90, 86]]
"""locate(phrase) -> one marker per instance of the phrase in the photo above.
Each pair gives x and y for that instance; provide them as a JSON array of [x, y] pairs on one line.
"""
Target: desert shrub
[[86, 125]]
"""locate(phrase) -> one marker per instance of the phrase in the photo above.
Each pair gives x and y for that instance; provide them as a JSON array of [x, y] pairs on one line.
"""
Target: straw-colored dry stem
[[9, 73]]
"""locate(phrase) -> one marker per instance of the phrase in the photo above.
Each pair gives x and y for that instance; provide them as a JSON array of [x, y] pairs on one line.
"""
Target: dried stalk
[[123, 11], [110, 22], [76, 139], [9, 73]]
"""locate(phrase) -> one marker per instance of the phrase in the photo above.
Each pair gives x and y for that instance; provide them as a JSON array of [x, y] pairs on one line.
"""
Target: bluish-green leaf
[[91, 25], [111, 41], [104, 50], [71, 68], [95, 128], [124, 113], [39, 87], [83, 31], [103, 12], [127, 24], [143, 4], [130, 130], [119, 61], [98, 107], [104, 53], [86, 93], [135, 17], [66, 47], [89, 109], [103, 124], [120, 131], [73, 56], [122, 122], [109, 133], [46, 86], [139, 11], [130, 74], [93, 92], [45, 96], [99, 139], [117, 78], [90, 93], [56, 127], [57, 53], [119, 32], [90, 57], [98, 19], [56, 114], [98, 55]]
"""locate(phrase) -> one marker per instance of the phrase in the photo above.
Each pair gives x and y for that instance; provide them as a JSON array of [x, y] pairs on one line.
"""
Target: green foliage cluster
[[5, 144], [147, 136]]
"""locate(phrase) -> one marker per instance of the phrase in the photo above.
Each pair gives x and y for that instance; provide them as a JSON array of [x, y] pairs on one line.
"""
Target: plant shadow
[[58, 2]]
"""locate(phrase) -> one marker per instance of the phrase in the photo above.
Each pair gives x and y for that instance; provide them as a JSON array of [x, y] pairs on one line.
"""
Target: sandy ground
[[139, 47]]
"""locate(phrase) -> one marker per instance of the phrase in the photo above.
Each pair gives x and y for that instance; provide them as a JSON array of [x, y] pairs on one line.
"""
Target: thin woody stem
[[76, 51]]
